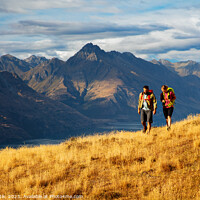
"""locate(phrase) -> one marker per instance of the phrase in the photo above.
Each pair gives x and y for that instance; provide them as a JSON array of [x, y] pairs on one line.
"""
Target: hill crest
[[118, 165]]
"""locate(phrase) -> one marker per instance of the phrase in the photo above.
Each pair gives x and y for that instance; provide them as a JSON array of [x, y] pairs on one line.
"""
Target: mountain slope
[[12, 64], [106, 85], [25, 114], [118, 165], [185, 68], [45, 78]]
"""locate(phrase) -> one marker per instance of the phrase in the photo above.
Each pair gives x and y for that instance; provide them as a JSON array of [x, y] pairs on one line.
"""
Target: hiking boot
[[168, 128]]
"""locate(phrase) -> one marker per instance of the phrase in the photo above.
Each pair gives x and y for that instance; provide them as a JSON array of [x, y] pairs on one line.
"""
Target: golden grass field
[[117, 165]]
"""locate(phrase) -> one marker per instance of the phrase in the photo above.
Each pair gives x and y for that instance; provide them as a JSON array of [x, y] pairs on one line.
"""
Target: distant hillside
[[106, 85], [25, 114], [12, 64], [45, 78], [185, 68], [119, 165]]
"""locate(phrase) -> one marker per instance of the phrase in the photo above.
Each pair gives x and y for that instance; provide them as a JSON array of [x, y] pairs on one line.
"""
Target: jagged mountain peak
[[12, 64], [34, 57], [90, 52], [189, 62], [154, 61], [90, 47], [165, 62], [35, 60], [8, 56]]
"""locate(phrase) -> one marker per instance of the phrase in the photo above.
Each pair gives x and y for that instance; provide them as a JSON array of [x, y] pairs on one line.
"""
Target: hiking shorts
[[146, 116], [168, 111]]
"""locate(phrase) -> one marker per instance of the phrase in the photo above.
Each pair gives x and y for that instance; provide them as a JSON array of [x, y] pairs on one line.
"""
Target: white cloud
[[57, 28], [191, 54], [23, 48], [23, 6], [64, 55], [137, 26]]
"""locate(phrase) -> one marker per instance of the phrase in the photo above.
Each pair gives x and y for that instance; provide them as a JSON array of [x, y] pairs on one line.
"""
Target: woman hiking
[[167, 97]]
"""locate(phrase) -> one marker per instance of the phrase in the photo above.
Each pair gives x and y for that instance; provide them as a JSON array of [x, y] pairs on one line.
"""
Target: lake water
[[123, 126], [34, 142], [127, 126]]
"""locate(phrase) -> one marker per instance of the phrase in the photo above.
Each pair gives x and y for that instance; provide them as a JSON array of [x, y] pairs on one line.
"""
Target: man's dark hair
[[146, 87]]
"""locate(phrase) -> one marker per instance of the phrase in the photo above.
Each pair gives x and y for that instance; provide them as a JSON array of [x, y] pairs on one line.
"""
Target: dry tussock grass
[[118, 165]]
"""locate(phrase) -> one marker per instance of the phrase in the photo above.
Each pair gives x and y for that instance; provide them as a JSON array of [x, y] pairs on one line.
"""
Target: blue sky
[[160, 29]]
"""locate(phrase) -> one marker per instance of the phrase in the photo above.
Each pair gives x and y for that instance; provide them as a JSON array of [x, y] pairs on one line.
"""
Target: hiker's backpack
[[149, 95], [169, 90]]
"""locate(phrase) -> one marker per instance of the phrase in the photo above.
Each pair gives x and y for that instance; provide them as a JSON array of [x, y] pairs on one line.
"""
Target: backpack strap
[[168, 96], [142, 95], [149, 96]]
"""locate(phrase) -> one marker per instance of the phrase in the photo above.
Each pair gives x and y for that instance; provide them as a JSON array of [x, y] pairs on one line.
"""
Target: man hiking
[[167, 97], [147, 106]]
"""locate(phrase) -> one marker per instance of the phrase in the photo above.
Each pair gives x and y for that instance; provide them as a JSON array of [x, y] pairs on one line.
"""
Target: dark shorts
[[146, 116], [168, 111]]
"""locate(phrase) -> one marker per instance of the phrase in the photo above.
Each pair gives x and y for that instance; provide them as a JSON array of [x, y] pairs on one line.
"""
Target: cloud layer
[[151, 30]]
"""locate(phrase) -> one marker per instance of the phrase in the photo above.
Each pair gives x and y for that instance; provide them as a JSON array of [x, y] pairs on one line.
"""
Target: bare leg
[[149, 127], [144, 126], [169, 121]]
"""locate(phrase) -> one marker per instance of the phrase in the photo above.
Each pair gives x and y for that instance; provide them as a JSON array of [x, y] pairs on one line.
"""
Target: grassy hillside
[[118, 165]]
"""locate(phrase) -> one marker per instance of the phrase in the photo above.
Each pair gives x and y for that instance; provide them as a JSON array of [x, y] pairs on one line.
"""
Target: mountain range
[[183, 68], [104, 86], [26, 114]]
